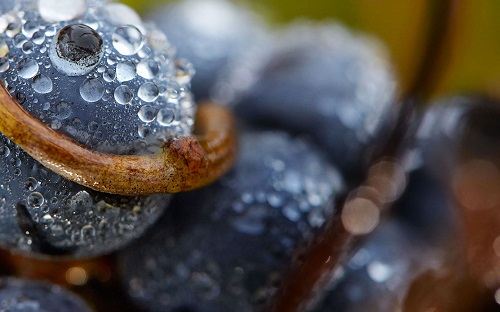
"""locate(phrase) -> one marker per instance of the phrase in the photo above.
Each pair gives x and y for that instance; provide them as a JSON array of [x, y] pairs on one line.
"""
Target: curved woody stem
[[186, 163]]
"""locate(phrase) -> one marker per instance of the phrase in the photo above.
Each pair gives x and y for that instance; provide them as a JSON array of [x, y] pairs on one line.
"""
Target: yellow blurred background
[[400, 24]]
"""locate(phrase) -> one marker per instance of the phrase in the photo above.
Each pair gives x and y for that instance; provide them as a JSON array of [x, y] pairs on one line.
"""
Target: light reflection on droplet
[[360, 216], [61, 10], [76, 276], [496, 246], [475, 185], [127, 40], [379, 272], [388, 178]]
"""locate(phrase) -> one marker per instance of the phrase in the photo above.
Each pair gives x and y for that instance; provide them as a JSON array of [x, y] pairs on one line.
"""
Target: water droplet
[[123, 94], [29, 28], [81, 202], [13, 28], [4, 64], [127, 40], [77, 50], [31, 184], [109, 75], [27, 68], [63, 110], [92, 90], [4, 151], [28, 47], [165, 116], [61, 10], [88, 232], [42, 84], [35, 200], [147, 113], [47, 219], [148, 92], [184, 71], [19, 40], [143, 131], [148, 69], [38, 37], [125, 71]]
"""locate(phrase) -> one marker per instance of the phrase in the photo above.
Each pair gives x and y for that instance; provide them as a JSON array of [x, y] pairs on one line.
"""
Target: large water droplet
[[63, 110], [4, 151], [148, 69], [76, 50], [35, 200], [165, 116], [27, 68], [92, 90], [28, 47], [109, 74], [123, 94], [38, 37], [42, 84], [148, 92], [29, 28], [125, 71], [31, 184], [147, 113], [61, 10], [127, 40]]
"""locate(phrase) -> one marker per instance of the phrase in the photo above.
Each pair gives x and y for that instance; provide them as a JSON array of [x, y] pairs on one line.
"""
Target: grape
[[216, 249], [378, 276], [109, 82], [95, 90], [318, 80], [34, 296], [210, 33]]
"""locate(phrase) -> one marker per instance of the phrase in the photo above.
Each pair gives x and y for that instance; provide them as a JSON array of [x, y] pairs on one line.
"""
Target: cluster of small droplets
[[299, 193], [96, 72]]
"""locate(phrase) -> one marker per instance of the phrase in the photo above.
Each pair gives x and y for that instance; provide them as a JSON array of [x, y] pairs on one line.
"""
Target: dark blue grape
[[221, 248], [319, 80]]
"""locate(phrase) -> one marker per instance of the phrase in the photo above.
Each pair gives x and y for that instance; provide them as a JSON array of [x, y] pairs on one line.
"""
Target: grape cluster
[[312, 100]]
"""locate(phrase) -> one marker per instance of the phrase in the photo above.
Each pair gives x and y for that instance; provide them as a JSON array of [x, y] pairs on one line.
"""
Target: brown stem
[[185, 164]]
